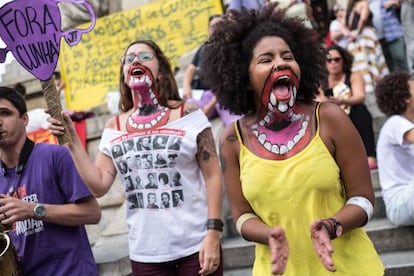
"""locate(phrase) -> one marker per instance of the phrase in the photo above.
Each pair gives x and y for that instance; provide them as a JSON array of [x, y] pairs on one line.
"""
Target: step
[[397, 263], [379, 207], [389, 237], [238, 256]]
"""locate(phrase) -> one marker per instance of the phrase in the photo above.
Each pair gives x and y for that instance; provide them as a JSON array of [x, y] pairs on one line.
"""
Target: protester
[[338, 30], [395, 147], [193, 79], [295, 171], [407, 21], [364, 44], [390, 33], [43, 197], [346, 88], [238, 5], [37, 116], [173, 241]]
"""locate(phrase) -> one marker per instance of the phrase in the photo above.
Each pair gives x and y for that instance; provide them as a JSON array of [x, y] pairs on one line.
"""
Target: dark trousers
[[362, 119], [187, 266]]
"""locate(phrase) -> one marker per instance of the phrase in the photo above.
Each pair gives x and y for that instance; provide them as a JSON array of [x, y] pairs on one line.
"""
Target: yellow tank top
[[293, 193]]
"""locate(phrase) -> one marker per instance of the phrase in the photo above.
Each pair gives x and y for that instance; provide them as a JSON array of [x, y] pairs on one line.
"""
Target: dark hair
[[228, 53], [347, 58], [391, 93], [166, 85], [13, 96], [57, 75], [19, 87], [164, 177]]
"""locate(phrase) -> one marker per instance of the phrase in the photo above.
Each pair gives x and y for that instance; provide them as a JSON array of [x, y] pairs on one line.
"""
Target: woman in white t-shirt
[[395, 147]]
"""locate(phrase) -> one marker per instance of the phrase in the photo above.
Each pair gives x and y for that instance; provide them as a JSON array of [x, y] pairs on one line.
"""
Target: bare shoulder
[[229, 141], [332, 113], [112, 122]]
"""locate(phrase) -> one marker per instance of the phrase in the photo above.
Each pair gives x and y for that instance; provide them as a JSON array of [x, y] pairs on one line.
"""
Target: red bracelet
[[332, 226]]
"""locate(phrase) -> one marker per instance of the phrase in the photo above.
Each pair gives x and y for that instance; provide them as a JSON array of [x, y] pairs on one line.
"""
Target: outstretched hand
[[279, 250], [322, 244]]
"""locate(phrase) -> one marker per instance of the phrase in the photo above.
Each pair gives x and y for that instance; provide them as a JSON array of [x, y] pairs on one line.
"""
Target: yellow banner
[[91, 68]]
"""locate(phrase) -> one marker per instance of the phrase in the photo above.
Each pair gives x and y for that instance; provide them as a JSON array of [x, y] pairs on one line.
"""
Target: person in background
[[44, 199], [37, 116], [238, 5], [390, 33], [338, 30], [60, 86], [407, 21], [150, 104], [298, 185], [193, 79], [346, 89], [364, 44], [395, 147]]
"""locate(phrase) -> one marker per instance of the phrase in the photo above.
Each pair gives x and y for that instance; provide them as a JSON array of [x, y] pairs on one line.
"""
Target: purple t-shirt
[[50, 177]]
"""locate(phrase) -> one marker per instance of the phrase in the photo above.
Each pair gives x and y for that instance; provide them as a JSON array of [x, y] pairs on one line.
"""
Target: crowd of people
[[294, 156]]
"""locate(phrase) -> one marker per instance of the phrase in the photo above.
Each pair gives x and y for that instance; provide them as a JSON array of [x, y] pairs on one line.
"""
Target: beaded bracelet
[[215, 224]]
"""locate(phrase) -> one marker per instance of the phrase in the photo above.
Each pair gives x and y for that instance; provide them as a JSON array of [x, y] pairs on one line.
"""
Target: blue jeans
[[395, 54]]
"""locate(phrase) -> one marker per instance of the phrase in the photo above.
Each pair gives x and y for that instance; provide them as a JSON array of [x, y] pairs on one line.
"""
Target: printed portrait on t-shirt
[[175, 179], [138, 181], [171, 160], [140, 197], [152, 201], [144, 143], [174, 143], [117, 151], [152, 181], [123, 166], [163, 179], [160, 161], [146, 161], [165, 200], [178, 199], [132, 201], [129, 185], [160, 142], [128, 145]]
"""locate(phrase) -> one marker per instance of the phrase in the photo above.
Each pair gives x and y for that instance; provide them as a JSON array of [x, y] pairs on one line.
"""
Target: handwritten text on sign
[[31, 31], [91, 69]]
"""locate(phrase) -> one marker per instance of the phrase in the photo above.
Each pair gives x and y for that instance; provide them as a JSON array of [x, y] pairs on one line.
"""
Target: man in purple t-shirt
[[43, 199]]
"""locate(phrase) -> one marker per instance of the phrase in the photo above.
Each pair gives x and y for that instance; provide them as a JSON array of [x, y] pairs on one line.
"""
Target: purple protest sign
[[31, 29]]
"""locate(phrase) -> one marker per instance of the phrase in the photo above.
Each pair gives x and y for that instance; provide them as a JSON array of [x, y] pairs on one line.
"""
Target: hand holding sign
[[31, 29]]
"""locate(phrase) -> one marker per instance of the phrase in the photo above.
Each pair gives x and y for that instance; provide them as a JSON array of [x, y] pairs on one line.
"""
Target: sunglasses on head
[[336, 59], [142, 56]]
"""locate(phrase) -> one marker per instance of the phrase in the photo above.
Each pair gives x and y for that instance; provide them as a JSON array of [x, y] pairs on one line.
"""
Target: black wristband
[[215, 224]]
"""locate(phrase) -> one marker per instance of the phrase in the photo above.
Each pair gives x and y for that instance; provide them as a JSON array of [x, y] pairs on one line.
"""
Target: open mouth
[[148, 113], [279, 95], [137, 76], [282, 95], [140, 79]]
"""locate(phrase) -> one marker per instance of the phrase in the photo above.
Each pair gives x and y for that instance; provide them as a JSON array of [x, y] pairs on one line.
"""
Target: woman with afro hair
[[295, 171], [395, 147]]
